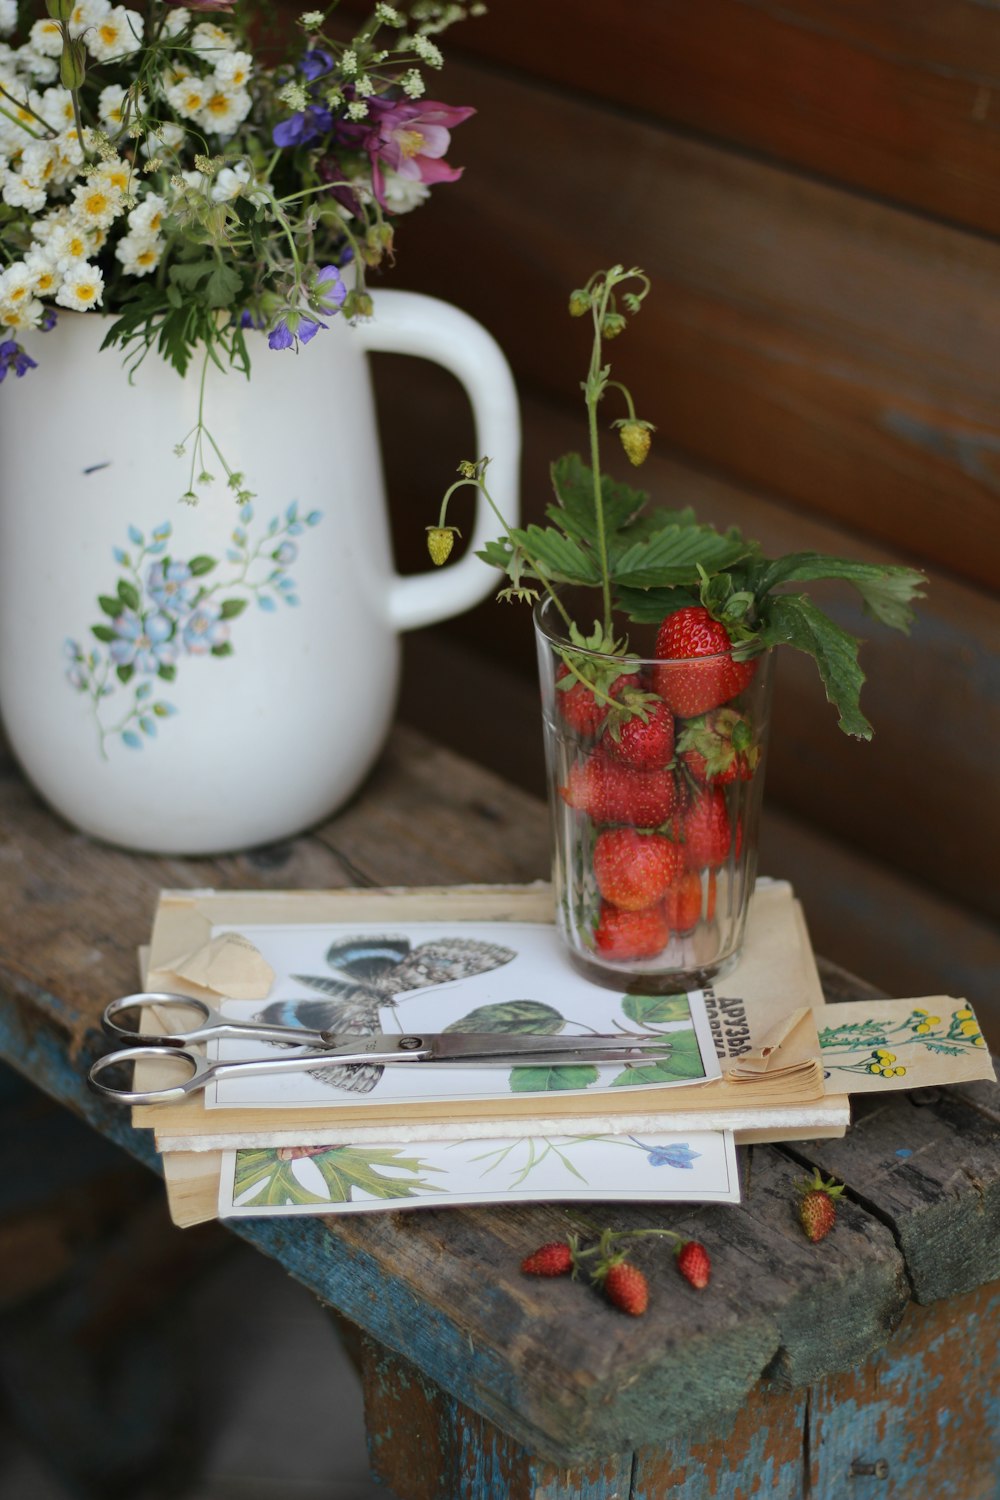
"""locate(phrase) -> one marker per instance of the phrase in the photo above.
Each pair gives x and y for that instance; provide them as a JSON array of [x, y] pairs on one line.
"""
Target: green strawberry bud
[[579, 303]]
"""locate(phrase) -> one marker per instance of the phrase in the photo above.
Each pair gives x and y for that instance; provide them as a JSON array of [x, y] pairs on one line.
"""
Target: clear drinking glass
[[654, 820]]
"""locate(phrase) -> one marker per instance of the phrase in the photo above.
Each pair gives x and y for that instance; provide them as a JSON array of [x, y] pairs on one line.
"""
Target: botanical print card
[[363, 978], [873, 1045], [698, 1167]]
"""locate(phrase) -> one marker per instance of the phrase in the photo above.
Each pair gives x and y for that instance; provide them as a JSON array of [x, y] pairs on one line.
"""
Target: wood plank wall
[[813, 189]]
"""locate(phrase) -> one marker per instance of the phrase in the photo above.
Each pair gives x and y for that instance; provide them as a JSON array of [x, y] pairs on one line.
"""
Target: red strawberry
[[646, 744], [694, 686], [694, 1264], [718, 748], [631, 934], [613, 793], [626, 1287], [683, 903], [635, 870], [707, 831], [818, 1208], [553, 1259], [580, 709]]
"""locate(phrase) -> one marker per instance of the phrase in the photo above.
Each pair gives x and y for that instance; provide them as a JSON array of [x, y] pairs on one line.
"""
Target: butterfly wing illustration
[[352, 1010]]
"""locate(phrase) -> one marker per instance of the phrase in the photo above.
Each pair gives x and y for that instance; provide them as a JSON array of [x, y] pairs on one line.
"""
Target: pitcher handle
[[410, 323]]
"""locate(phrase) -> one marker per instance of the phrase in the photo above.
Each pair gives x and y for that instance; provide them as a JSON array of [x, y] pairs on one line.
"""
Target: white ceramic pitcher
[[242, 675]]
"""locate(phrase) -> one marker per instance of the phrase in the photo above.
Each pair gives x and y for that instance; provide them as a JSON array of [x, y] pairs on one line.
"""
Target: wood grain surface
[[441, 1288]]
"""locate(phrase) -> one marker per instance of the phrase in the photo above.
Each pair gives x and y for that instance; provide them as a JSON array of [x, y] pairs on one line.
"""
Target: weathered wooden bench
[[865, 1365]]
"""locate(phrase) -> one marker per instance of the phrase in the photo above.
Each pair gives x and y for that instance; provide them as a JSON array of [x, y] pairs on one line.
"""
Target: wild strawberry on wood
[[552, 1259], [694, 686], [627, 1288], [818, 1208], [634, 870], [694, 1264]]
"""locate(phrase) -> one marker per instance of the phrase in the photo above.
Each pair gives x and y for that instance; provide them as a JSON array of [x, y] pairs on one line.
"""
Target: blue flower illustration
[[203, 630], [142, 641], [171, 585], [677, 1155]]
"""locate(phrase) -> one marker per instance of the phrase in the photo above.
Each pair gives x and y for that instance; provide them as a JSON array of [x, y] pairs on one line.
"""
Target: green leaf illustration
[[167, 673], [683, 1061], [128, 593], [231, 608], [656, 1010], [201, 564], [111, 606], [349, 1167], [103, 633], [552, 1078], [225, 649], [125, 674], [528, 1016]]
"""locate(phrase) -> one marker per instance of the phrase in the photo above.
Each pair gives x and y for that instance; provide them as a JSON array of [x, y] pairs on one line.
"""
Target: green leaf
[[886, 591], [111, 606], [682, 1063], [563, 559], [224, 650], [650, 606], [529, 1017], [103, 633], [223, 286], [674, 555], [345, 1168], [231, 608], [201, 564], [656, 1010], [189, 274], [552, 1078], [128, 594], [793, 620], [575, 510], [167, 673], [125, 674]]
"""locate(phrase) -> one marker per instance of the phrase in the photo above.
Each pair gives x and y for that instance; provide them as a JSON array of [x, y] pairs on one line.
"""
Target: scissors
[[316, 1049]]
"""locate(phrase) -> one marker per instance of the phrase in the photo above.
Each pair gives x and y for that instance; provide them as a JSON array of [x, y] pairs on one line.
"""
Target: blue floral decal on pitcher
[[164, 609]]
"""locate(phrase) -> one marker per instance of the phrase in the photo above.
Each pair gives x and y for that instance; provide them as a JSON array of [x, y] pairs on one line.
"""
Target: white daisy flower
[[87, 13], [46, 225], [19, 191], [45, 37], [176, 21], [188, 97], [57, 108], [166, 136], [233, 71], [146, 219], [207, 37], [230, 182], [224, 110], [116, 34], [139, 254], [95, 204], [20, 315], [110, 104], [38, 162], [82, 288], [115, 174], [15, 283], [41, 69], [68, 246], [402, 194], [45, 277]]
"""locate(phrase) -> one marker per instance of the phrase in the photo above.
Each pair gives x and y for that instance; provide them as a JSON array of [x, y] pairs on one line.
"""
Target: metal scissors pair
[[310, 1049]]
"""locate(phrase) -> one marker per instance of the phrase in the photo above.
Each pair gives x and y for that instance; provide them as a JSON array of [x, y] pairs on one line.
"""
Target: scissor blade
[[489, 1049]]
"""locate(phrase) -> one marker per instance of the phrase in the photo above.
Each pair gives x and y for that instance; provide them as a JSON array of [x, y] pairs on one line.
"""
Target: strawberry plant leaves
[[887, 591], [676, 555], [793, 620], [575, 512], [650, 606], [529, 1017], [563, 559]]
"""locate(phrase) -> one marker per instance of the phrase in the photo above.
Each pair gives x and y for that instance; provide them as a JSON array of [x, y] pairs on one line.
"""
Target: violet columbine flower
[[281, 336], [315, 63], [13, 357], [412, 139]]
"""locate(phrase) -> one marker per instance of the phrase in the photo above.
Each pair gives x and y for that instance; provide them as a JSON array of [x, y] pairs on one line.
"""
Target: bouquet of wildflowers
[[152, 168]]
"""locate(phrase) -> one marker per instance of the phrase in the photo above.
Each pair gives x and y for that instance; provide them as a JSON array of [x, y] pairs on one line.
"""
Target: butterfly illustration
[[369, 973]]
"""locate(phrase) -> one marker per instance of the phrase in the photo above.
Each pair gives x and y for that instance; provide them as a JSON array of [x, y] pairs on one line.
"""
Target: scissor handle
[[209, 1019], [201, 1071]]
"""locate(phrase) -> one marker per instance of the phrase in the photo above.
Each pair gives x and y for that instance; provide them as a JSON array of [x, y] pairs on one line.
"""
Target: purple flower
[[304, 126], [315, 63], [679, 1155], [49, 320], [280, 336], [410, 138], [12, 356], [329, 290]]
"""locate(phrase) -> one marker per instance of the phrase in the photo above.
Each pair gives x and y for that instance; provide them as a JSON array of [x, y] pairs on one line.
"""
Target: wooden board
[[895, 99], [838, 352]]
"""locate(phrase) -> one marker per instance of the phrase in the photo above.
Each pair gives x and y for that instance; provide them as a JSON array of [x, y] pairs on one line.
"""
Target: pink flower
[[412, 139]]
